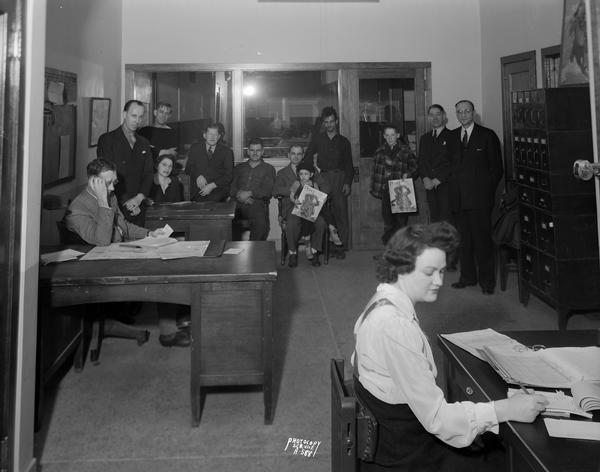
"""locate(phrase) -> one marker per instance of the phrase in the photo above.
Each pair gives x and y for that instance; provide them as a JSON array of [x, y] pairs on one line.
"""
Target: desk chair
[[303, 239], [93, 327], [185, 181], [353, 426]]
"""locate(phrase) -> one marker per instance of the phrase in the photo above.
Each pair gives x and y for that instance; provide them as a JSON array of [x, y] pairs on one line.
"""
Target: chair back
[[67, 236], [343, 422], [185, 182]]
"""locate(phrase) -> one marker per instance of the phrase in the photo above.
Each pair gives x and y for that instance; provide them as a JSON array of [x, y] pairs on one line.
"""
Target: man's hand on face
[[98, 186]]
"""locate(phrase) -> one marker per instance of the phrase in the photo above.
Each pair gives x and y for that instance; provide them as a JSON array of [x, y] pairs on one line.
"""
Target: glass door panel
[[283, 107]]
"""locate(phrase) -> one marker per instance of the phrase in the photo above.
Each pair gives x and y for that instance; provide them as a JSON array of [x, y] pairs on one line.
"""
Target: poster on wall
[[574, 47]]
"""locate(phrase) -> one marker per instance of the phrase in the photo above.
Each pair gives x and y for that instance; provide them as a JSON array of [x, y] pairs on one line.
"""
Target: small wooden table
[[200, 221], [231, 307], [529, 446]]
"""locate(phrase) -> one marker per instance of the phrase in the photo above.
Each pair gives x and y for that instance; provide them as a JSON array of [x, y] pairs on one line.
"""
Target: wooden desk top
[[257, 262], [548, 454], [191, 211]]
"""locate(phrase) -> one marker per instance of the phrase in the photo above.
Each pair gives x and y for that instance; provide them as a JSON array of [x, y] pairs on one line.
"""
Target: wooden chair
[[185, 181], [353, 426], [303, 240]]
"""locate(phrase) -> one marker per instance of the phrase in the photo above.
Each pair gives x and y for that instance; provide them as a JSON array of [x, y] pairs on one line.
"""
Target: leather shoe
[[293, 262], [179, 338], [142, 337], [487, 291], [460, 284], [315, 262]]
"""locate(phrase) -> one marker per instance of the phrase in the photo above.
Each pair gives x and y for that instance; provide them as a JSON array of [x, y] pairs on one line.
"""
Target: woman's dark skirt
[[405, 446]]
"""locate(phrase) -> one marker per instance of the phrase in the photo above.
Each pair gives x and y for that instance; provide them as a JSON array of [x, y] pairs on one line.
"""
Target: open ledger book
[[558, 367], [585, 398]]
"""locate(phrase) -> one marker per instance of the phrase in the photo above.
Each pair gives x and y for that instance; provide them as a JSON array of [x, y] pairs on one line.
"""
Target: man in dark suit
[[476, 172], [435, 164], [132, 156], [210, 167]]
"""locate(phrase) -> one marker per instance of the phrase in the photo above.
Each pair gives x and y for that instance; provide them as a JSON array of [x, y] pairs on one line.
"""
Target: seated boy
[[297, 226]]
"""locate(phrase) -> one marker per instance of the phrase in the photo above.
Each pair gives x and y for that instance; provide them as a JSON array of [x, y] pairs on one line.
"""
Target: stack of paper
[[573, 429], [60, 256], [474, 341]]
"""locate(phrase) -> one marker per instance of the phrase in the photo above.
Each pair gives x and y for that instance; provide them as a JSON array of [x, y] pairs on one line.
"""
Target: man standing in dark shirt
[[332, 156], [210, 167], [132, 155], [162, 137]]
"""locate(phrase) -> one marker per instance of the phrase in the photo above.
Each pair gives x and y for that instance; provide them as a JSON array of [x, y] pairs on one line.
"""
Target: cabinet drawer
[[526, 195], [543, 200], [527, 220], [529, 262], [461, 387], [547, 271], [545, 232]]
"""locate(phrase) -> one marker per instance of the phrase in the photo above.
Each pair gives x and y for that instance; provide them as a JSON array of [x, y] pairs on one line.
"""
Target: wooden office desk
[[200, 221], [231, 307], [529, 446]]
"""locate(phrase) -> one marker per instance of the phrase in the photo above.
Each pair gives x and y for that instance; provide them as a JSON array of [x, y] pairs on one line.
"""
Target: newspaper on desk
[[176, 250]]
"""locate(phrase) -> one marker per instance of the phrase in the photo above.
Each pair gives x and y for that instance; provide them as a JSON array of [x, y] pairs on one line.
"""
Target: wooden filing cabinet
[[559, 240]]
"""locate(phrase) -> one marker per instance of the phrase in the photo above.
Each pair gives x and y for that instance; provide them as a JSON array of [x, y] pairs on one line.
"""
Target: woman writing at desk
[[395, 371]]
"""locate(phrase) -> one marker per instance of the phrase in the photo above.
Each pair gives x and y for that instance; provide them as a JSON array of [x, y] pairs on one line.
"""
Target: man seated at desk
[[95, 216]]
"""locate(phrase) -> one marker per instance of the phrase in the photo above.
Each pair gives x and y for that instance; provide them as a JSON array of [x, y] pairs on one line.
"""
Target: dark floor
[[132, 412]]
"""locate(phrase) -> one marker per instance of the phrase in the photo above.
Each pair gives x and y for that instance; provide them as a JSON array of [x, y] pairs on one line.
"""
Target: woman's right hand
[[520, 407]]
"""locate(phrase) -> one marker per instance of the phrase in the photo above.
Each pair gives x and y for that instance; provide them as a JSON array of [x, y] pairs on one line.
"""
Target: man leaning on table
[[95, 216]]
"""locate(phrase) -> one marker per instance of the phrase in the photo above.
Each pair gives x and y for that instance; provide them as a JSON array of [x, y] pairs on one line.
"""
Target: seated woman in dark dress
[[165, 189], [395, 371], [168, 189]]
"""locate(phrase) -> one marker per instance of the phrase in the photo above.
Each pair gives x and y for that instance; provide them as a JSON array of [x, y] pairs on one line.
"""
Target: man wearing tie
[[476, 172], [435, 164], [132, 157], [210, 167]]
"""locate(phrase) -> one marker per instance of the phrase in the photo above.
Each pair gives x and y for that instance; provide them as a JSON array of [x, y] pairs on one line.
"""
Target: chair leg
[[95, 342], [326, 245], [284, 248]]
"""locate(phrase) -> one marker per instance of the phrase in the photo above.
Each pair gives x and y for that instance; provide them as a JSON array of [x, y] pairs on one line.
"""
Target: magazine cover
[[309, 204], [402, 196]]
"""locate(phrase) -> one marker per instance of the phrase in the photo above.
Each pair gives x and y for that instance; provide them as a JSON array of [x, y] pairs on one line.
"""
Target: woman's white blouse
[[396, 365]]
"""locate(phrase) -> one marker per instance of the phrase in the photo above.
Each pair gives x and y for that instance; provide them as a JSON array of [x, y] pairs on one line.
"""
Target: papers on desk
[[60, 256], [149, 242], [174, 250], [573, 429], [557, 367], [517, 364], [474, 341]]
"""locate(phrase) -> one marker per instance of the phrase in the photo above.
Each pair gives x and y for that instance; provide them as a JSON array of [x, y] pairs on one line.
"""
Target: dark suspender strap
[[375, 304]]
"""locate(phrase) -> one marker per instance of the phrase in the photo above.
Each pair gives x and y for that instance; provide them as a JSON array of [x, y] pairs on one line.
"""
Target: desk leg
[[195, 387], [267, 295]]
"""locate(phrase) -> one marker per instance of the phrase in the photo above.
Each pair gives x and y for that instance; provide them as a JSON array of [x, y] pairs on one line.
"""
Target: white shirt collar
[[469, 130], [398, 298]]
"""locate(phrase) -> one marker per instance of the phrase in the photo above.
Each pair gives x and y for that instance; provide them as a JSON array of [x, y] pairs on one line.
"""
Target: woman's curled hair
[[408, 243]]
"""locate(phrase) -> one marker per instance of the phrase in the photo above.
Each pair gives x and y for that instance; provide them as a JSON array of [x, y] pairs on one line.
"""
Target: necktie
[[465, 139], [435, 134], [210, 151]]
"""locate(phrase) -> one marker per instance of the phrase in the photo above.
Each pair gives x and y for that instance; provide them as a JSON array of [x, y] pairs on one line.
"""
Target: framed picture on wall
[[99, 117], [574, 55]]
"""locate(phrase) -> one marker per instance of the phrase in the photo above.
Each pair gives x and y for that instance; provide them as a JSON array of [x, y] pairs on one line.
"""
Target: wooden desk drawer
[[461, 387]]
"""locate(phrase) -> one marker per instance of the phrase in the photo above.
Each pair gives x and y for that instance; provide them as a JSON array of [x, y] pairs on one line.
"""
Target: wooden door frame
[[507, 105], [11, 183]]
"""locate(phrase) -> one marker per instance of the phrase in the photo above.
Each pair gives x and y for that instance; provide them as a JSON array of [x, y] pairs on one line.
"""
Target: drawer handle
[[469, 391]]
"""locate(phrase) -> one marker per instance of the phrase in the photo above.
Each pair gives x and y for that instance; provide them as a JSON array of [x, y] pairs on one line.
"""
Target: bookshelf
[[550, 66]]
